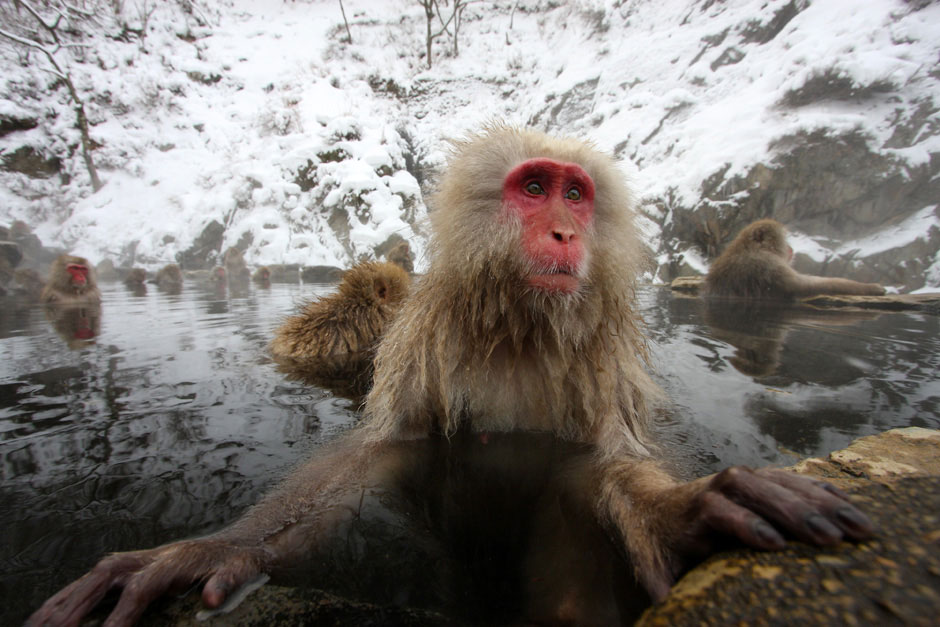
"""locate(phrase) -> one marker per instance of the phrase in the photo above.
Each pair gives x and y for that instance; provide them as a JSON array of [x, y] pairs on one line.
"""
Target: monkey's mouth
[[557, 279]]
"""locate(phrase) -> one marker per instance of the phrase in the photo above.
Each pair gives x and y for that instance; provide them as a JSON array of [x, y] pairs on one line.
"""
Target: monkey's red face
[[79, 274], [555, 203]]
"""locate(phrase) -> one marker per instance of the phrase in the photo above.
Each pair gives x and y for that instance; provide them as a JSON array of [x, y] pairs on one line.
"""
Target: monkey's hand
[[683, 523], [146, 575]]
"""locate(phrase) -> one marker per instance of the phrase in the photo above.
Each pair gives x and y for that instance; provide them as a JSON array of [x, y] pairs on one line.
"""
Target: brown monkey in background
[[169, 278], [401, 255], [217, 278], [71, 281], [756, 264], [236, 269], [332, 342], [262, 276], [525, 321], [136, 281]]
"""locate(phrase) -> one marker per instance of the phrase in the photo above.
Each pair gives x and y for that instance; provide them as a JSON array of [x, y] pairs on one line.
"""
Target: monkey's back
[[748, 274]]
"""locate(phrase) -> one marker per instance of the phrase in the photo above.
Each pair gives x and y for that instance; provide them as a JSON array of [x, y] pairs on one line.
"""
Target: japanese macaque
[[71, 281], [136, 281], [525, 321], [332, 341], [262, 276], [217, 278], [756, 264], [169, 279], [236, 269], [401, 255]]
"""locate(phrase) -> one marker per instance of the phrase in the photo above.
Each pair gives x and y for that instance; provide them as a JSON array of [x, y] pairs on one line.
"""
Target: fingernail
[[768, 535], [855, 519], [819, 526]]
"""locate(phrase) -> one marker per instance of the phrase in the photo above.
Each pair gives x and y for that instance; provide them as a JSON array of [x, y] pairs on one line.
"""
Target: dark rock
[[928, 303], [12, 123], [11, 253], [284, 273], [321, 274], [204, 251], [756, 31], [729, 56], [206, 79], [26, 160], [573, 106], [275, 606]]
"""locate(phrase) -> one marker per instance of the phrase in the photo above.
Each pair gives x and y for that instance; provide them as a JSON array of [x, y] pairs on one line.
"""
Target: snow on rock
[[261, 116]]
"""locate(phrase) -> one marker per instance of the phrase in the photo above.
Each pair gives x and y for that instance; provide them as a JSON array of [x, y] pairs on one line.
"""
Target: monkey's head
[[767, 235], [375, 283], [72, 273], [549, 216]]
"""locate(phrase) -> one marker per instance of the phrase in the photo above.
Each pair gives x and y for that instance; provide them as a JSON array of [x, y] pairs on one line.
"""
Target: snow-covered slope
[[260, 115]]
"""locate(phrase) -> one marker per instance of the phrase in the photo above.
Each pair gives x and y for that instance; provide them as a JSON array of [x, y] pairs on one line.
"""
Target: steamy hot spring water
[[164, 418]]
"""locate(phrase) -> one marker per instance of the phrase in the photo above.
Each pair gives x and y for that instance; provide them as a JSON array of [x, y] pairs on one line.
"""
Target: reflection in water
[[172, 420], [78, 325], [757, 328], [799, 382]]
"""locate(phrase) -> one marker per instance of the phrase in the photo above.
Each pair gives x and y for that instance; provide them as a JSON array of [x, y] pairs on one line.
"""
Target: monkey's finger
[[831, 501], [230, 577], [725, 516], [73, 602], [140, 590], [70, 604], [778, 505]]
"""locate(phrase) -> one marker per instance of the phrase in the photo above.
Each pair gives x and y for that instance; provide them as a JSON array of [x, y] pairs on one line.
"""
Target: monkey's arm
[[285, 524], [809, 285], [668, 526]]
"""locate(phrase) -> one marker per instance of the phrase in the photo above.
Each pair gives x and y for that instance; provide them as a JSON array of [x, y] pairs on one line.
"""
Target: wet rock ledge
[[892, 579], [928, 303]]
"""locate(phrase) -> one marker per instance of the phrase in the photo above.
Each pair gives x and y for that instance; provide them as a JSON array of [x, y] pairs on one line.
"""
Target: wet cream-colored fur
[[475, 343]]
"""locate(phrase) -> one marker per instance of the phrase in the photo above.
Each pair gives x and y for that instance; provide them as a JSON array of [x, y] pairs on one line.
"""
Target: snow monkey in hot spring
[[524, 322]]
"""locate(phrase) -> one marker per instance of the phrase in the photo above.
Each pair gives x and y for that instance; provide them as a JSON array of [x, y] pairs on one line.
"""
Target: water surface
[[171, 420]]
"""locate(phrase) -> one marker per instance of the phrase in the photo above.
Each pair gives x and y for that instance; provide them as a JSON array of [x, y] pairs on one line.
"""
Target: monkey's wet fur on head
[[477, 330], [334, 337]]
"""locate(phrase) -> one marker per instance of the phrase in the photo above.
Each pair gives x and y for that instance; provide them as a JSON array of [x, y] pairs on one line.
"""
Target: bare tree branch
[[343, 11], [50, 53]]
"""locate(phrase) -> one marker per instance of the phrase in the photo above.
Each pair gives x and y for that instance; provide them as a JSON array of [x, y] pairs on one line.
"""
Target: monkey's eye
[[573, 194], [534, 188]]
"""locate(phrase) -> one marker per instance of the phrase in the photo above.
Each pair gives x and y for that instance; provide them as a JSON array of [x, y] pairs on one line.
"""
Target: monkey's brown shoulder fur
[[753, 265], [169, 276], [348, 322]]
